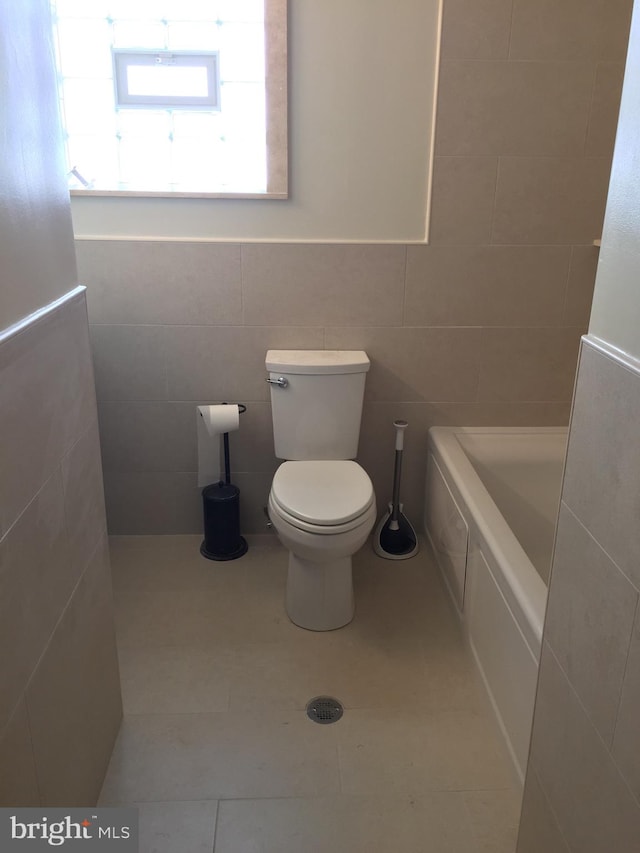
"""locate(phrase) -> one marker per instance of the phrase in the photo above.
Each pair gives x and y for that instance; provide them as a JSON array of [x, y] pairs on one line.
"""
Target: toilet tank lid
[[317, 361]]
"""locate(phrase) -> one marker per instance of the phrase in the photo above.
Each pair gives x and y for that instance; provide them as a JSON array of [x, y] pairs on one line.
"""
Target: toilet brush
[[395, 538]]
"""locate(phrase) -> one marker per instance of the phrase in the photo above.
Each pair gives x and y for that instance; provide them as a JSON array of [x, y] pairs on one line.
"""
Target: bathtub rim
[[522, 587]]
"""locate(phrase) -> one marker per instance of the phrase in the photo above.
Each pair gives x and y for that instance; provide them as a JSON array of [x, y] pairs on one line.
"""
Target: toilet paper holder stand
[[225, 438], [222, 539]]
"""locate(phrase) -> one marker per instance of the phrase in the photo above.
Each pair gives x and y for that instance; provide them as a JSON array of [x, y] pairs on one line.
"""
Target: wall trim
[[41, 313], [623, 358], [279, 241]]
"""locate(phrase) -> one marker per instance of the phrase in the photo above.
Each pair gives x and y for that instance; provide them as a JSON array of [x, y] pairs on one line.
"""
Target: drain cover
[[324, 710]]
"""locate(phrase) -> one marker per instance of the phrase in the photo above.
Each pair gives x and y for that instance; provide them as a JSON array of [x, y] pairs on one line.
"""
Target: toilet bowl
[[323, 512]]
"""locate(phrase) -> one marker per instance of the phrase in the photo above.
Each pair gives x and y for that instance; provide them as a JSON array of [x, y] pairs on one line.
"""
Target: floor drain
[[324, 710]]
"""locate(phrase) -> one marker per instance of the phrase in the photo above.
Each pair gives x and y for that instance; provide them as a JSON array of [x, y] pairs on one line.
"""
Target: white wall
[[36, 241], [615, 315], [361, 83]]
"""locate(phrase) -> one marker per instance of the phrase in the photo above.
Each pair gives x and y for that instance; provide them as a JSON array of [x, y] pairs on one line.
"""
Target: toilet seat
[[324, 496]]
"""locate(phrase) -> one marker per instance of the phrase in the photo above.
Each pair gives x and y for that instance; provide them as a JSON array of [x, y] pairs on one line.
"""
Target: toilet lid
[[323, 492]]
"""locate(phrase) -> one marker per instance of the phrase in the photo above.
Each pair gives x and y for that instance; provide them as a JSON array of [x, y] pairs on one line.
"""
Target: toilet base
[[319, 596]]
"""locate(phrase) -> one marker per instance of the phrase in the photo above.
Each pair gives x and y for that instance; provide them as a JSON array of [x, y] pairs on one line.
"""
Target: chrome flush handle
[[281, 382]]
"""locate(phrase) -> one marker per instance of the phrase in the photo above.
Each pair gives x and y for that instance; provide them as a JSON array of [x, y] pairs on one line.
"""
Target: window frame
[[123, 58]]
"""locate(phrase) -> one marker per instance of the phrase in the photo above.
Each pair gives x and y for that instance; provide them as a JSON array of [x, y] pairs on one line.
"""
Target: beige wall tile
[[47, 400], [377, 448], [160, 282], [160, 502], [150, 458], [73, 698], [129, 362], [18, 780], [250, 447], [472, 180], [604, 461], [254, 494], [573, 29], [147, 436], [485, 285], [528, 364], [488, 413], [228, 363], [187, 506], [38, 264], [589, 621], [344, 824], [582, 278], [84, 498], [476, 29], [550, 200], [140, 502], [539, 830], [594, 807], [626, 744], [310, 285], [406, 363], [37, 577], [603, 120], [517, 108]]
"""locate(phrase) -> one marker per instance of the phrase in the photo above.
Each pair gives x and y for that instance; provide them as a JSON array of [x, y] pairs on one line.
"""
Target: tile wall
[[582, 791], [482, 326], [60, 705]]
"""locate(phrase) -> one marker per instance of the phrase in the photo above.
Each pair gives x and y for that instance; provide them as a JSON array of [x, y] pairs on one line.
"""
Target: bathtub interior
[[523, 478]]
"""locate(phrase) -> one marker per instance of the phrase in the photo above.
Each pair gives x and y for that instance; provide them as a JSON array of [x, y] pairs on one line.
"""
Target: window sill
[[176, 194]]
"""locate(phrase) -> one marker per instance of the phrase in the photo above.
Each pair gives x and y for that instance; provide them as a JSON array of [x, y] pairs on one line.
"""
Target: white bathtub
[[490, 513]]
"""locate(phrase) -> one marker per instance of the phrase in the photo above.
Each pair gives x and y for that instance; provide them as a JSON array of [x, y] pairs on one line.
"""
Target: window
[[170, 97], [167, 79]]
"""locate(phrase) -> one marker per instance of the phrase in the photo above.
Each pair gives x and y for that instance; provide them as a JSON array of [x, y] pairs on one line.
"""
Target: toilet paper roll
[[211, 422], [221, 418]]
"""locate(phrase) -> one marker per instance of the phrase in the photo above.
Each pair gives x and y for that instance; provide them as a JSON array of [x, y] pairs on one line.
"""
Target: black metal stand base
[[239, 552]]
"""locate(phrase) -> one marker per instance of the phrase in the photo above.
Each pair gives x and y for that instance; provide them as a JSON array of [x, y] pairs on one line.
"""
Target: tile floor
[[216, 749]]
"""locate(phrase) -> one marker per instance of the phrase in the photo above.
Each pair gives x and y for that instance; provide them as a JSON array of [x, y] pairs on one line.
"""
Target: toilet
[[321, 502]]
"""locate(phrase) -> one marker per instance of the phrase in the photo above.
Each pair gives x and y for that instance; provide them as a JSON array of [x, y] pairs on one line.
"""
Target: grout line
[[339, 762], [592, 101], [495, 201], [404, 288], [33, 752], [600, 546], [636, 622], [550, 807], [595, 732], [565, 303], [215, 826], [242, 316]]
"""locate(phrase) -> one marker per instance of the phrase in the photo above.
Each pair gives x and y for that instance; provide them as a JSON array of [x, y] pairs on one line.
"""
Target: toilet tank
[[317, 415]]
